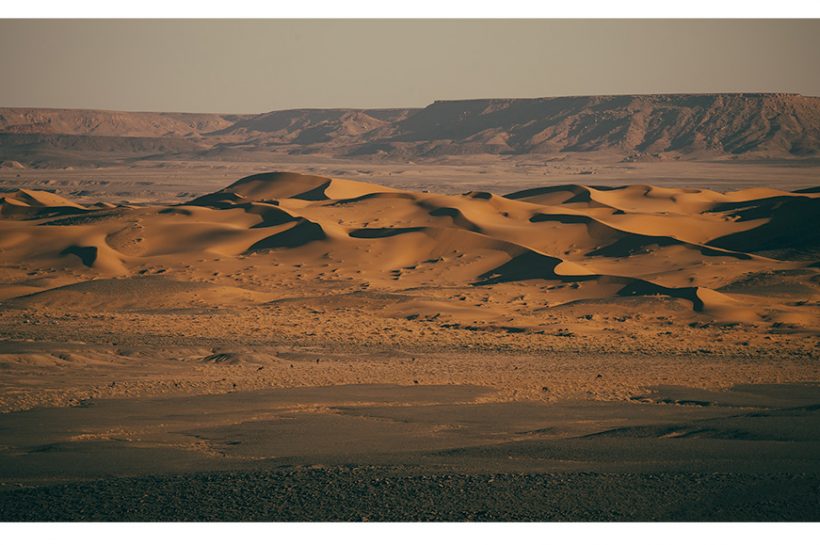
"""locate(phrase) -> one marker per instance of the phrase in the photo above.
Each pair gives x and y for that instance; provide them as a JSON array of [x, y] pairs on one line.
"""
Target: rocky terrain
[[631, 127]]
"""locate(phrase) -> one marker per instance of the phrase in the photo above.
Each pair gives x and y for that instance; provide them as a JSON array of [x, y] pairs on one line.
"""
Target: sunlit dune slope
[[570, 244]]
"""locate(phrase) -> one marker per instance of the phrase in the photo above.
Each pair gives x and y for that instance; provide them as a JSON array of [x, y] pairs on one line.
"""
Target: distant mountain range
[[759, 125]]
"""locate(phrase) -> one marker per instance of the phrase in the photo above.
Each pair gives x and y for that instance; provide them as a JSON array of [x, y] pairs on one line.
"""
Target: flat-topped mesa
[[634, 127], [111, 123], [771, 124]]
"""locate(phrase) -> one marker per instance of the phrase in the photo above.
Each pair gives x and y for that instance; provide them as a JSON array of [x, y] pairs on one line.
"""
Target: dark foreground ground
[[426, 453], [390, 494]]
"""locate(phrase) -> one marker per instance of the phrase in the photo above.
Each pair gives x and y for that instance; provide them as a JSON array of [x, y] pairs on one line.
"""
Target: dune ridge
[[562, 245]]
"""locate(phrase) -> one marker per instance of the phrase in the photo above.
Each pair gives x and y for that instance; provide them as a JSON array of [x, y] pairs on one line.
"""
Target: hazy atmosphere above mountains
[[257, 66]]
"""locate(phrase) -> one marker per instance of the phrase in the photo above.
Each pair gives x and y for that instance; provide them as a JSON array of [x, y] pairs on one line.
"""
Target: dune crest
[[291, 185], [571, 244]]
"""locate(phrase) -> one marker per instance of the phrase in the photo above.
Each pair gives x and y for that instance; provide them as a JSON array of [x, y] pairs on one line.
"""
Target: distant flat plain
[[151, 181]]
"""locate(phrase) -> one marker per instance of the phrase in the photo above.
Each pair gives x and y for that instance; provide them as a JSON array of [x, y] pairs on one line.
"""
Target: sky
[[252, 66]]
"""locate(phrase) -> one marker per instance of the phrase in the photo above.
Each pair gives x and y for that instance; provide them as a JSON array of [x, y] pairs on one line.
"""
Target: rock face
[[108, 123], [769, 125], [775, 124]]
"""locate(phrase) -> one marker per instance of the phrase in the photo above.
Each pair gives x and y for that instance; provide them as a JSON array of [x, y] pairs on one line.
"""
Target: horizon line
[[436, 101]]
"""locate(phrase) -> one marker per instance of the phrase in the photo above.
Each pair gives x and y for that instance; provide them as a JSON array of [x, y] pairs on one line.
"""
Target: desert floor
[[306, 348], [170, 181]]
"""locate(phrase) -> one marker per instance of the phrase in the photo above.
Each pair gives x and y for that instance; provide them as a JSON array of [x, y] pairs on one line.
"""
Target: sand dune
[[287, 185], [30, 203], [557, 246]]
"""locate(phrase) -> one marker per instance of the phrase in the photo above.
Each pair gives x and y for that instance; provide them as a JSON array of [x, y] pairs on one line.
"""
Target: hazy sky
[[257, 66]]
